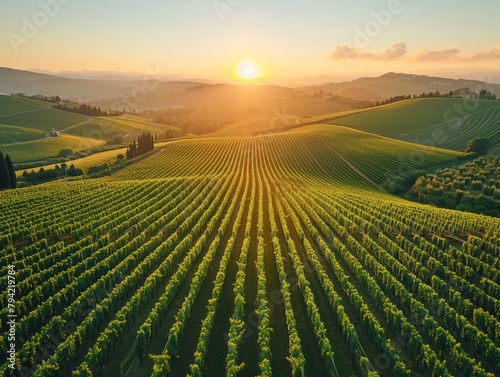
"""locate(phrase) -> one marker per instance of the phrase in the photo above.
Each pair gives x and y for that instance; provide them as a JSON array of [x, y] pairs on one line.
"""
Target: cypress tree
[[4, 174], [11, 171]]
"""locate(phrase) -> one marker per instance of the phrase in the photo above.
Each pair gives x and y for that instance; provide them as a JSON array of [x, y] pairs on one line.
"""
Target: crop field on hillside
[[44, 119], [441, 122], [33, 115], [14, 104], [108, 157], [129, 126], [15, 134], [47, 147], [277, 255], [24, 119]]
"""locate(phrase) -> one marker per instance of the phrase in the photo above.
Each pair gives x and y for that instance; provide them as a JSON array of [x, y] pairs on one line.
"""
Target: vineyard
[[443, 122], [473, 186], [244, 256]]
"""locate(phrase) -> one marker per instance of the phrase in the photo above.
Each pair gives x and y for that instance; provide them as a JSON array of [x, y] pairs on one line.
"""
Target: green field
[[273, 255], [441, 122], [14, 104], [15, 134], [37, 117], [129, 126], [84, 163], [24, 123], [24, 119], [36, 150]]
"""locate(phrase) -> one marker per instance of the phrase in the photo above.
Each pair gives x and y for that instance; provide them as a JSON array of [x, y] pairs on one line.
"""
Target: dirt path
[[23, 112], [76, 125]]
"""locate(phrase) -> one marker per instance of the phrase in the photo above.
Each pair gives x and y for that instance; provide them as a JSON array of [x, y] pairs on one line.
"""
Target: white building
[[53, 133]]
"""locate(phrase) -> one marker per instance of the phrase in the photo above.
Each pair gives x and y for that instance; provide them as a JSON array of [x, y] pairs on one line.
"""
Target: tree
[[66, 152], [118, 139], [11, 171], [4, 174], [484, 94], [478, 145]]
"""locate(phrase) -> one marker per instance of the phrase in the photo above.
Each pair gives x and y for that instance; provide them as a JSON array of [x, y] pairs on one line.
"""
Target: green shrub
[[496, 194], [477, 185]]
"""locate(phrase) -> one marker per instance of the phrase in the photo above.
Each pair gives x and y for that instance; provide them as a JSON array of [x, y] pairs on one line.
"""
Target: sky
[[287, 38]]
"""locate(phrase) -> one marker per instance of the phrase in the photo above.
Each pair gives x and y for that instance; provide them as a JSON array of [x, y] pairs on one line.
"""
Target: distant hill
[[394, 84], [87, 90]]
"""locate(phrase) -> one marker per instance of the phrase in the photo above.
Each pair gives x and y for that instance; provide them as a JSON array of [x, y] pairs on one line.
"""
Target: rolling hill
[[172, 255], [41, 149], [23, 119], [396, 84], [128, 126], [24, 123], [440, 122], [87, 90]]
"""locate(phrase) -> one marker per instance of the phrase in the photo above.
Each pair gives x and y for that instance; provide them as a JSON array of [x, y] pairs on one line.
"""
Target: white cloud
[[492, 54], [449, 53], [395, 51]]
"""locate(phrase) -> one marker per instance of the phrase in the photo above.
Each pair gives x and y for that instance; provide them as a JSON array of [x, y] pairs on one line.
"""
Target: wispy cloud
[[493, 54], [400, 51], [395, 51], [449, 53], [347, 52]]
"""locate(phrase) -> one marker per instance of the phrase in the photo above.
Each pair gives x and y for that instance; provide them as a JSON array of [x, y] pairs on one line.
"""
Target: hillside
[[336, 154], [32, 83], [37, 150], [24, 123], [179, 249], [396, 84], [24, 119], [441, 122], [128, 126]]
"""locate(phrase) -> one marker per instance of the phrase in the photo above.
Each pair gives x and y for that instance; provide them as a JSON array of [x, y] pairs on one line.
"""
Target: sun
[[248, 70]]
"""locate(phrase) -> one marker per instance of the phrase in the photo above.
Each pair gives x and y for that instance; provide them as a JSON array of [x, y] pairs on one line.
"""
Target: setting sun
[[248, 70]]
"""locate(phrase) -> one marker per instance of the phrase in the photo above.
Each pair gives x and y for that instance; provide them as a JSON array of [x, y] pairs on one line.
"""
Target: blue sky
[[287, 38]]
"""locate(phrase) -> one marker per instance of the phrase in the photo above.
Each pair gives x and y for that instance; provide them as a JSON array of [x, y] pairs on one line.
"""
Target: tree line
[[145, 143], [44, 175], [7, 173], [83, 108]]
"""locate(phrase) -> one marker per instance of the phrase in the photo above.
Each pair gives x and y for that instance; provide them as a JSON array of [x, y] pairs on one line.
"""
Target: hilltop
[[394, 84]]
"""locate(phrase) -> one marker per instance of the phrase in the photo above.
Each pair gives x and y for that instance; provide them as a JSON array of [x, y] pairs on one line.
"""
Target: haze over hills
[[394, 84], [491, 75], [155, 89]]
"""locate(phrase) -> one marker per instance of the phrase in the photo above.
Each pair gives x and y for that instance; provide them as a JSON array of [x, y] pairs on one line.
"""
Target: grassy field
[[14, 104], [278, 254], [129, 126], [29, 113], [47, 147], [441, 122], [15, 134], [23, 119], [84, 163]]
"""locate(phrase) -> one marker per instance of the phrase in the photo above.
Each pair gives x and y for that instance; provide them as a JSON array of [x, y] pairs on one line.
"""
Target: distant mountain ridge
[[394, 84], [108, 86]]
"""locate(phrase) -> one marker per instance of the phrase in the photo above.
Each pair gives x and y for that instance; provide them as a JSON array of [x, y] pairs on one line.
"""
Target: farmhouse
[[53, 133]]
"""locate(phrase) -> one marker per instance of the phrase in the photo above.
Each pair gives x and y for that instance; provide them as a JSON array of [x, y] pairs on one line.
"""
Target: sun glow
[[248, 70]]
